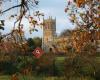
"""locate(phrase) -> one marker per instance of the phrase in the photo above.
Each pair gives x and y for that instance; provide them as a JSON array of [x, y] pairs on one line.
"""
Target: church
[[50, 38]]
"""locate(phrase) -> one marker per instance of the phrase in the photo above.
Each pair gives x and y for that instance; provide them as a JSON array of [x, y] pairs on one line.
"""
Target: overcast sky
[[54, 8]]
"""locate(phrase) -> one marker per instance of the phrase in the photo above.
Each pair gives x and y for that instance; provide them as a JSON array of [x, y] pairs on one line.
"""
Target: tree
[[37, 42], [25, 9], [85, 15], [33, 43], [23, 5], [66, 33]]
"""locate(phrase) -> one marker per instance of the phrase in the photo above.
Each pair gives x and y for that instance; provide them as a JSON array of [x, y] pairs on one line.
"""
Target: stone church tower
[[49, 32]]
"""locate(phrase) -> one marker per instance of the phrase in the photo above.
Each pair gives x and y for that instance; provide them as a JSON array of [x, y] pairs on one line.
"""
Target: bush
[[7, 68]]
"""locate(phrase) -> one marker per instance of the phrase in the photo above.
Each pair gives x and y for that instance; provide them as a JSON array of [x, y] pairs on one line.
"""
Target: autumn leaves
[[79, 2], [81, 39]]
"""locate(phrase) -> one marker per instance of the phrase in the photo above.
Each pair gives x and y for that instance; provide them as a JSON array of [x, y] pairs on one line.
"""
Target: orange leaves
[[84, 12], [97, 35], [14, 77], [97, 22], [80, 2], [80, 39], [86, 17]]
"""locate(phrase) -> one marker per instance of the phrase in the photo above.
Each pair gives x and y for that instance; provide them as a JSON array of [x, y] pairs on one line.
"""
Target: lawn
[[59, 63], [5, 77], [59, 59], [46, 78]]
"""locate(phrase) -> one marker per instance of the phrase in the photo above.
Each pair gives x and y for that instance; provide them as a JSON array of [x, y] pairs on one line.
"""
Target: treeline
[[34, 42]]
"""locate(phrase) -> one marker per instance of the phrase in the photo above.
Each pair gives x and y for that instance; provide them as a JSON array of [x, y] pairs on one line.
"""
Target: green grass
[[4, 77], [97, 59], [59, 63], [59, 59]]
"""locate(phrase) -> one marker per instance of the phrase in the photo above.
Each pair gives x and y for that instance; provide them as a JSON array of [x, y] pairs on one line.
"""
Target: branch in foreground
[[11, 8]]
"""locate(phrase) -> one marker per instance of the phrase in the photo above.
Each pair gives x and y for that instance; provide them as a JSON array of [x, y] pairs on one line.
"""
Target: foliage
[[37, 41], [81, 65], [82, 39], [30, 43], [7, 67], [23, 5], [65, 33], [45, 64], [33, 43], [84, 14], [23, 10]]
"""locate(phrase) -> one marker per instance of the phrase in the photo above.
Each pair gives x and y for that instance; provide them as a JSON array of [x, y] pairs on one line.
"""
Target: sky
[[54, 8]]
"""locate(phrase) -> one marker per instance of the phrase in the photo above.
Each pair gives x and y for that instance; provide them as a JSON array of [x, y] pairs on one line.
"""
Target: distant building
[[49, 32], [50, 39]]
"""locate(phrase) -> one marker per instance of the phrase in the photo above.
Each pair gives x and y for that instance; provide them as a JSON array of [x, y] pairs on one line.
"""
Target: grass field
[[5, 77], [47, 78], [58, 62]]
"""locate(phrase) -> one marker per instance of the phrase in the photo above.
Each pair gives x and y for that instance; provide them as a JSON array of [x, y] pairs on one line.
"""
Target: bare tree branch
[[11, 8]]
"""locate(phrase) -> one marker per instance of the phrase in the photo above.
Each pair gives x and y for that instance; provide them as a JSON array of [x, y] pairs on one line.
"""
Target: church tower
[[49, 32]]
